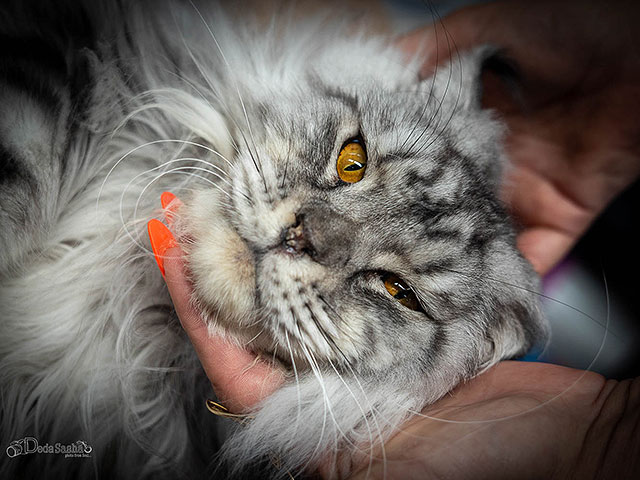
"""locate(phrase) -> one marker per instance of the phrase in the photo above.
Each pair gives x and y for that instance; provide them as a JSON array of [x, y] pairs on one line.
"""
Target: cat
[[340, 217]]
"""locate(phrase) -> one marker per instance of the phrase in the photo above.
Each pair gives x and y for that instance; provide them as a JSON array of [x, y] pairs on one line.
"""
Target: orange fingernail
[[161, 241], [169, 203], [166, 198]]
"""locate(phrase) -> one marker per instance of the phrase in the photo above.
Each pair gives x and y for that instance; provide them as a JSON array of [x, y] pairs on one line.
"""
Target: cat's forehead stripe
[[348, 100]]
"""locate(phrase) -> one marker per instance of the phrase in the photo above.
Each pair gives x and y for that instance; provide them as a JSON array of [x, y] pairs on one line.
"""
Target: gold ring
[[222, 411]]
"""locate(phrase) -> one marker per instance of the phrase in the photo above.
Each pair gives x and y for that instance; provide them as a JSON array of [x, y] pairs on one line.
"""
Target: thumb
[[239, 377]]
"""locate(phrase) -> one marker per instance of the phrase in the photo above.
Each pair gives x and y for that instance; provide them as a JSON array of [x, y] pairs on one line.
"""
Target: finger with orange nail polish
[[161, 241]]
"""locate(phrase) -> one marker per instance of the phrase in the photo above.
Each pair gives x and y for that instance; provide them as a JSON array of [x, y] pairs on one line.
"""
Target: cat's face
[[411, 261]]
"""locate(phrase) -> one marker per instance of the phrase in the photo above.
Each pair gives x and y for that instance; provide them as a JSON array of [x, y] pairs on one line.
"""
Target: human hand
[[574, 134], [520, 420], [239, 377]]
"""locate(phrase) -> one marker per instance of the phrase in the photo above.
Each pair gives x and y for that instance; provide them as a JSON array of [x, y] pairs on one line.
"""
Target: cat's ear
[[455, 108], [457, 83]]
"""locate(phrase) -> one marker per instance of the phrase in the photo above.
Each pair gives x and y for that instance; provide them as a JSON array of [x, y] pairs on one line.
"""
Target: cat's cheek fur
[[219, 261]]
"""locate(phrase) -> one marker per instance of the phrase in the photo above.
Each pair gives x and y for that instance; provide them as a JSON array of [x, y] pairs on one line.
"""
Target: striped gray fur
[[101, 101]]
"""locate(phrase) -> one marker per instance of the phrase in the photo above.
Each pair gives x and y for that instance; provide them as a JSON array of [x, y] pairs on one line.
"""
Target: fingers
[[240, 378], [159, 235], [544, 247], [439, 42]]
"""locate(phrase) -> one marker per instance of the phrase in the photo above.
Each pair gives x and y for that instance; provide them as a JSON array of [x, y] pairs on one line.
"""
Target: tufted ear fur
[[458, 83], [455, 110]]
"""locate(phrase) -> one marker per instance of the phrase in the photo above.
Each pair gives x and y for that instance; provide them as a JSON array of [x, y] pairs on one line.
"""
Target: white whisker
[[201, 95], [237, 88], [327, 403], [174, 170], [214, 90], [295, 373], [364, 416], [153, 142]]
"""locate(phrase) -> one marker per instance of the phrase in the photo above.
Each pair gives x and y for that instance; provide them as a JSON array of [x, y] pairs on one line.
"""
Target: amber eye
[[401, 291], [352, 161]]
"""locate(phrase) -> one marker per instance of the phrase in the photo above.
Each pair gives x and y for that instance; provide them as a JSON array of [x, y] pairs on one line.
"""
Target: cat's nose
[[323, 234], [294, 237]]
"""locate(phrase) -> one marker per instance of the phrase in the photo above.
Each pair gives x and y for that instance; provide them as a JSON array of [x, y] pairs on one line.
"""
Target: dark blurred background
[[609, 248]]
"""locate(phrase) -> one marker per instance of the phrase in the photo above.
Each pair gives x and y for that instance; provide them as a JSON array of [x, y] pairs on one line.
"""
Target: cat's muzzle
[[322, 234]]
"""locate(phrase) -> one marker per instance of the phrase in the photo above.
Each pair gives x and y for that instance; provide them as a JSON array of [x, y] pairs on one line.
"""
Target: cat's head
[[360, 225]]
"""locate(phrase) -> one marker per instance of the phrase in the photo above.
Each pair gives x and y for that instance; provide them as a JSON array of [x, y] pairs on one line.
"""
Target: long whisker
[[433, 81], [151, 105], [364, 416], [295, 373], [450, 40], [220, 171], [190, 168], [327, 404], [179, 169], [446, 90], [254, 337], [286, 166], [355, 377], [154, 142], [184, 79], [233, 78], [213, 89], [348, 363], [336, 313], [318, 374], [486, 279], [330, 341]]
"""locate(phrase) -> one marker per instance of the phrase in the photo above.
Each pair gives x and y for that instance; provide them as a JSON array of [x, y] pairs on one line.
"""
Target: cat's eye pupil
[[401, 294], [401, 291], [353, 167]]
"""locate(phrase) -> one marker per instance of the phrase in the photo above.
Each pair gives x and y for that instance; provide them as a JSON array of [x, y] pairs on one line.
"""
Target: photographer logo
[[30, 445]]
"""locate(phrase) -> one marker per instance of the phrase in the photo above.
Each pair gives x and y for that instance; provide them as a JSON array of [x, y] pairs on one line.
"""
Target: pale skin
[[574, 146]]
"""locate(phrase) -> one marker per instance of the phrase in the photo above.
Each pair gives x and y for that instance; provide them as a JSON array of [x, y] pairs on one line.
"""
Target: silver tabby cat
[[379, 283]]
